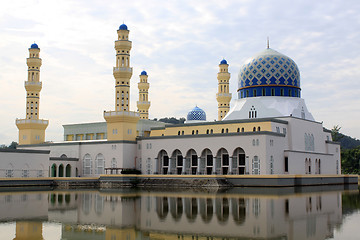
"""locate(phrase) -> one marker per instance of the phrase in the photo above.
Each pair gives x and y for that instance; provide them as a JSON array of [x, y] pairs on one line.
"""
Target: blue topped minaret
[[223, 96]]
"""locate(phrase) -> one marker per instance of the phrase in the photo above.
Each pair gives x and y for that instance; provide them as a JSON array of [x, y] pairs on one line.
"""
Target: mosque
[[269, 130]]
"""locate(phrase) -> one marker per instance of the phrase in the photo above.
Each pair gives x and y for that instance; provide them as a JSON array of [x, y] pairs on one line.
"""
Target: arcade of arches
[[204, 163], [61, 170]]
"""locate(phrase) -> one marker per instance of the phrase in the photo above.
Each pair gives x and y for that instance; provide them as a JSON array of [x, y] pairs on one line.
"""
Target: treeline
[[11, 146], [350, 151], [171, 120]]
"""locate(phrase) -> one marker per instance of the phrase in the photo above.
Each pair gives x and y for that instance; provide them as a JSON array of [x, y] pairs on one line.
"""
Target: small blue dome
[[34, 45], [143, 73], [123, 27], [223, 61], [196, 114]]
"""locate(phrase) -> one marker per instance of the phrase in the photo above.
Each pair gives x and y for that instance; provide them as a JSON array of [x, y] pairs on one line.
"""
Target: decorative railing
[[28, 83], [223, 94], [121, 113], [122, 69], [143, 102], [37, 121]]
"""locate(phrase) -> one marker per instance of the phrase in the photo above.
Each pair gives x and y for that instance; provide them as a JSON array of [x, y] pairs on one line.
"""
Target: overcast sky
[[179, 44]]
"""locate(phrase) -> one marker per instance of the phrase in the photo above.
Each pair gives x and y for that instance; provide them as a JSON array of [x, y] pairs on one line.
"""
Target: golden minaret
[[121, 123], [223, 96], [32, 129], [143, 104]]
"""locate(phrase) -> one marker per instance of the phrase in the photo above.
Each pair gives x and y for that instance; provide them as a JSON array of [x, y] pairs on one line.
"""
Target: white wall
[[35, 163]]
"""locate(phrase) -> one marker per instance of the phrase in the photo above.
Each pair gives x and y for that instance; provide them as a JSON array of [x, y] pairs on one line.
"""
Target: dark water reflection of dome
[[306, 213]]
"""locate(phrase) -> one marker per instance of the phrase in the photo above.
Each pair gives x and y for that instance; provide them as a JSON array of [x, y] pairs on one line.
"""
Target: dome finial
[[268, 43]]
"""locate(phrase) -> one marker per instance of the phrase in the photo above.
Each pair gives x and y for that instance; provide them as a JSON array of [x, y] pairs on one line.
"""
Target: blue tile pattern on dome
[[196, 114], [269, 68], [143, 73], [34, 45], [123, 27]]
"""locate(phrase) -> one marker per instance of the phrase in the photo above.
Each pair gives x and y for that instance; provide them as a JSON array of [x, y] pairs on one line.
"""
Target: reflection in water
[[143, 215]]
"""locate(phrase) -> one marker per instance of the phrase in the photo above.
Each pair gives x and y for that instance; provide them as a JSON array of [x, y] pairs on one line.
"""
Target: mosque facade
[[268, 131]]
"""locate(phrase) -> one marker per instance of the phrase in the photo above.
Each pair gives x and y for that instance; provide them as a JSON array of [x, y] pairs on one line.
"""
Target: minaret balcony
[[120, 113], [143, 103], [122, 69], [33, 86], [122, 72], [123, 44], [32, 123], [36, 62], [223, 95]]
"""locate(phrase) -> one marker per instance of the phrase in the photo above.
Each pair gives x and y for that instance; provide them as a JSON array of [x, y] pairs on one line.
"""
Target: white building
[[268, 131]]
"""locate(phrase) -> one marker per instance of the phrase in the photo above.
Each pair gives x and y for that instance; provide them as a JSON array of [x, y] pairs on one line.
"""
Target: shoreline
[[198, 182]]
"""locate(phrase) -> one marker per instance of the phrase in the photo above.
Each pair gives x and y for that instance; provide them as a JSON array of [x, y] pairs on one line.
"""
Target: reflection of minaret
[[28, 231], [223, 96], [32, 129], [121, 123], [143, 104]]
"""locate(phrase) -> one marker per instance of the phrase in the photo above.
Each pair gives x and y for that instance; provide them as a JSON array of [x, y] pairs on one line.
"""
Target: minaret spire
[[143, 104], [32, 129], [268, 43], [121, 123], [223, 96]]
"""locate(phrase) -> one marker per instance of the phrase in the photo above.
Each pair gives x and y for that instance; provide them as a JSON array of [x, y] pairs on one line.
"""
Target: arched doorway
[[238, 161], [163, 160], [176, 162], [53, 170], [208, 160], [222, 161], [68, 171], [61, 170], [191, 162]]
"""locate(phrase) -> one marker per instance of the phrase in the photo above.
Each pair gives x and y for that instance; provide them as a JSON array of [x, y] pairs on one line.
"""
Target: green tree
[[335, 133], [350, 160], [13, 145]]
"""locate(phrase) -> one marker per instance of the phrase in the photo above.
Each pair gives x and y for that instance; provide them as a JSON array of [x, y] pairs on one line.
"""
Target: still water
[[240, 213]]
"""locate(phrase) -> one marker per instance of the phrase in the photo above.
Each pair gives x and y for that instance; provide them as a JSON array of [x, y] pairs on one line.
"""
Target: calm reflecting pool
[[241, 213]]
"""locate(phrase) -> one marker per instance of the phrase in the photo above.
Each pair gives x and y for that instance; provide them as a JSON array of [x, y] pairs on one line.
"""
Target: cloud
[[179, 44]]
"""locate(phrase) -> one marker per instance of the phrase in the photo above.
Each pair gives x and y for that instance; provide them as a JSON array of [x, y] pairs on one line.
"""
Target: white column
[[183, 166], [157, 170], [214, 165], [198, 170], [230, 165], [170, 165]]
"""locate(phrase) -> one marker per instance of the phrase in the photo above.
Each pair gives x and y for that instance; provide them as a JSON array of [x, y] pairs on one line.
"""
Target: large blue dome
[[123, 27], [143, 73], [269, 73], [196, 114], [34, 45]]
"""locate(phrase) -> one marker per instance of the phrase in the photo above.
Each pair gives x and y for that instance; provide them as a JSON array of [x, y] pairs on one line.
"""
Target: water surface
[[240, 213]]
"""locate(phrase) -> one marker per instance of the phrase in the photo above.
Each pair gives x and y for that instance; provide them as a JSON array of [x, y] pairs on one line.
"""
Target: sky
[[180, 44]]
